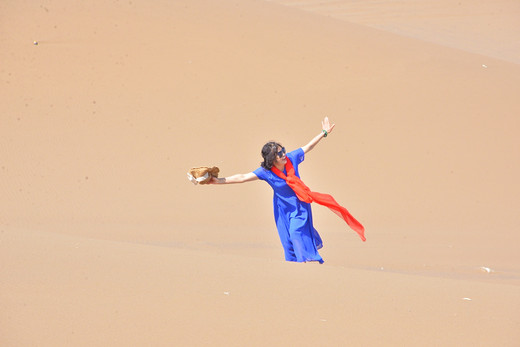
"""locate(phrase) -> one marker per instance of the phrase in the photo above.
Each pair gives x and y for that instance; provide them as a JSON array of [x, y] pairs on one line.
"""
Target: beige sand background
[[484, 27], [103, 241]]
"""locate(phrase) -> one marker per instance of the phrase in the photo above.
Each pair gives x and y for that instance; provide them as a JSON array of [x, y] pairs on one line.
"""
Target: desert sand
[[106, 105]]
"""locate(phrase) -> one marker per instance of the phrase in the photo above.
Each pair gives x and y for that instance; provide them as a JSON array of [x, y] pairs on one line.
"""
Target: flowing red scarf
[[305, 194]]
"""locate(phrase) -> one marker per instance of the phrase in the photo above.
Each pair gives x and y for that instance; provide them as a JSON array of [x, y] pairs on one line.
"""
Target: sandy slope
[[484, 27], [64, 290], [102, 239]]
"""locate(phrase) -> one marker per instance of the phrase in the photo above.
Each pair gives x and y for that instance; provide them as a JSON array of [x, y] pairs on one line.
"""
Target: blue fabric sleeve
[[260, 173], [296, 156]]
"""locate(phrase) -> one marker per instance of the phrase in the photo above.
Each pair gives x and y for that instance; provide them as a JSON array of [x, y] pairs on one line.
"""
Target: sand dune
[[481, 27], [104, 241], [67, 290]]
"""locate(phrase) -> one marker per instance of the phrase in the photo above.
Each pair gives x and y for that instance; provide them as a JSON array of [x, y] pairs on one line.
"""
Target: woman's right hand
[[213, 180]]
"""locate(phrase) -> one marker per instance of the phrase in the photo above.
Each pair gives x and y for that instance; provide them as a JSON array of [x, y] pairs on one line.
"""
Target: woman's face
[[281, 158]]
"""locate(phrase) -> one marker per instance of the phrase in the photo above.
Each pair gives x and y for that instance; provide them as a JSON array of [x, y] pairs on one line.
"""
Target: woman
[[293, 216]]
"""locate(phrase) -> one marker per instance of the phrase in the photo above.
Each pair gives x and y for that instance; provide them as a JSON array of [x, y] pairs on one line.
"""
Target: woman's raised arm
[[326, 129], [239, 178]]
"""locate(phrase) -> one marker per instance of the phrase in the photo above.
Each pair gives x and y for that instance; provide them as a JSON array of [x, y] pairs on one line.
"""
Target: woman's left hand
[[325, 125]]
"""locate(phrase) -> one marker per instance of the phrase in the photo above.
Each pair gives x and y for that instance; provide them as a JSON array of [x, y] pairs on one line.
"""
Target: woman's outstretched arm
[[326, 129], [239, 178]]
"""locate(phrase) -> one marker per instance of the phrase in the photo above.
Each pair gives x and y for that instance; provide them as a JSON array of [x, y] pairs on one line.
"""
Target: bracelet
[[325, 132]]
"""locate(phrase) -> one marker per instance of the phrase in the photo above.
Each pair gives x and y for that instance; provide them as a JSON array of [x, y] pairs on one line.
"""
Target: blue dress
[[293, 217]]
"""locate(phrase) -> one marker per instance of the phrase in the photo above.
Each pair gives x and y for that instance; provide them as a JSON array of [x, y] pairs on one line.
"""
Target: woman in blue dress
[[293, 217]]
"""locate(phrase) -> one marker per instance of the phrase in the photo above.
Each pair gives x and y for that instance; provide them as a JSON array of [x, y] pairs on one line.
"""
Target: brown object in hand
[[202, 174]]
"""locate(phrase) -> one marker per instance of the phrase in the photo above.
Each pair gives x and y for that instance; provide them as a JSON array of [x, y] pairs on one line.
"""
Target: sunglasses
[[281, 152]]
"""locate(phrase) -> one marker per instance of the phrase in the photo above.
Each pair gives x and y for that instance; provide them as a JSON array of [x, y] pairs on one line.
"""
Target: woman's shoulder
[[263, 174], [298, 155], [260, 172]]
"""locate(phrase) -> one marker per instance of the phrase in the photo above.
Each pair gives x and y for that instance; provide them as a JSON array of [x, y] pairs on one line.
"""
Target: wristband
[[325, 132]]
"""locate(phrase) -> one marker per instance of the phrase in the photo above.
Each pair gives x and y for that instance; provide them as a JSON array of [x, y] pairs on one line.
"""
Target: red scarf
[[306, 195]]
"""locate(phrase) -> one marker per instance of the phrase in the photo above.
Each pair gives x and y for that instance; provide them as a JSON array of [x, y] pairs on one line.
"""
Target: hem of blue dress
[[321, 261]]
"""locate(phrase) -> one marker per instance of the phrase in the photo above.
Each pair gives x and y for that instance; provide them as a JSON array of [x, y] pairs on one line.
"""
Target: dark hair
[[269, 154]]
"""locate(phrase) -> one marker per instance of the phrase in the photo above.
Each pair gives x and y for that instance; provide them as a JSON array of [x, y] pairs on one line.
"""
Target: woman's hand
[[213, 180], [325, 125]]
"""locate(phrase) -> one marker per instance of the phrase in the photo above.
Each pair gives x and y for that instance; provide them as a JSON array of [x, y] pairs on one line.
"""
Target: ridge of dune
[[488, 28]]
